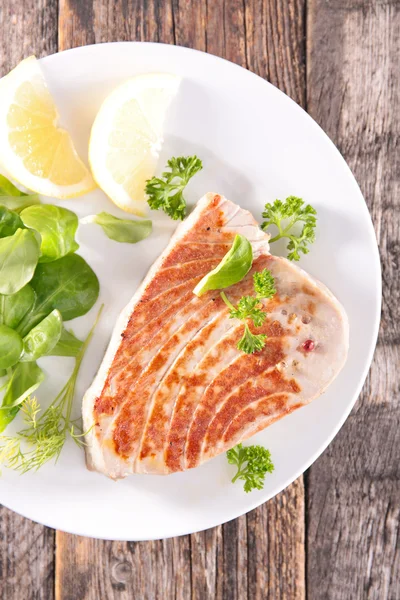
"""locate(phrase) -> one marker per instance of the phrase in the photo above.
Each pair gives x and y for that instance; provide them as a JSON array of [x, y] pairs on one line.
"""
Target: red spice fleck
[[308, 345]]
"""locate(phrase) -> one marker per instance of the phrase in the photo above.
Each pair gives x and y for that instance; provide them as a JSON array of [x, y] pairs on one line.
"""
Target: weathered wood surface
[[353, 508], [340, 542]]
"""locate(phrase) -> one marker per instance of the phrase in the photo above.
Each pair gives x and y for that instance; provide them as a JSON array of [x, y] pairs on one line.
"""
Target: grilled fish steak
[[173, 389]]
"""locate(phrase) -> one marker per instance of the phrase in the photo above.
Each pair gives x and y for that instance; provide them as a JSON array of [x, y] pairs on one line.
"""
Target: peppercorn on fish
[[174, 390]]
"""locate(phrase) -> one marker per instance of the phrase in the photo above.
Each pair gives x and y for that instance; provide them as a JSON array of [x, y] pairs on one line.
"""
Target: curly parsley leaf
[[249, 307], [264, 284], [285, 216], [166, 192], [253, 463], [251, 342]]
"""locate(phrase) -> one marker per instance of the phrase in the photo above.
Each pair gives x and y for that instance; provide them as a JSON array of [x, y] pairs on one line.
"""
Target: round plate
[[256, 145]]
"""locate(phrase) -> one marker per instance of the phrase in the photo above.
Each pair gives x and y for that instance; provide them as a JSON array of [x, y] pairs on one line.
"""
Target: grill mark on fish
[[245, 368], [270, 383], [147, 356], [257, 416], [153, 439], [215, 306], [134, 410]]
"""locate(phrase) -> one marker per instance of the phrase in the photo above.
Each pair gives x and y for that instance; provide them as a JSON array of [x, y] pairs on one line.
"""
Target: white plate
[[256, 145]]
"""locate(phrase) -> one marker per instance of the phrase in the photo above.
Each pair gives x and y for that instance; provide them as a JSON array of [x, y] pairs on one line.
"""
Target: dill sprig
[[45, 433]]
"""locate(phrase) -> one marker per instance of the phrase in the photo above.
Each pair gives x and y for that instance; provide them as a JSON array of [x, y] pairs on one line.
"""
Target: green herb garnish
[[13, 308], [233, 267], [121, 230], [285, 216], [13, 198], [67, 284], [45, 435], [23, 380], [166, 192], [42, 338], [10, 221], [57, 227], [19, 255], [10, 347], [253, 463], [42, 283], [248, 307], [67, 345]]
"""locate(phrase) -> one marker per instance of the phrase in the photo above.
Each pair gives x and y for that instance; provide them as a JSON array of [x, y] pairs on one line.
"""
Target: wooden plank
[[26, 28], [242, 559], [92, 569], [26, 558], [354, 488], [26, 548]]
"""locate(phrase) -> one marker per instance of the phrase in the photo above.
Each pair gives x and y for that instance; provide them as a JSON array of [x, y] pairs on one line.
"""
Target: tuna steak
[[173, 390]]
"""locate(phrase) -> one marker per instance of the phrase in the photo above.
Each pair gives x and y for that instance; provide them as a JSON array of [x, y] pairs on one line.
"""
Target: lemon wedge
[[126, 138], [33, 149]]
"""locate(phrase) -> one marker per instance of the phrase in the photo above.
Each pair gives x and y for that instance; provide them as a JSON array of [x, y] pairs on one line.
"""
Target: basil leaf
[[121, 230], [57, 227], [10, 221], [67, 284], [13, 308], [10, 347], [67, 345], [19, 255], [233, 267], [25, 379], [42, 338]]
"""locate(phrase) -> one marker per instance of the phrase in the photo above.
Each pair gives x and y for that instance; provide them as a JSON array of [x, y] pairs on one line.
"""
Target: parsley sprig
[[166, 192], [248, 307], [253, 463], [285, 215]]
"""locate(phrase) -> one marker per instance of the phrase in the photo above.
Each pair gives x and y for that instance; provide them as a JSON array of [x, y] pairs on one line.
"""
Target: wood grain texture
[[26, 549], [26, 558], [243, 559], [354, 488], [26, 27]]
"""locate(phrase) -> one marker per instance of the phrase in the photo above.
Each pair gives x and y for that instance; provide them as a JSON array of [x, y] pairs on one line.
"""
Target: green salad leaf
[[166, 192], [13, 198], [19, 255], [57, 227], [13, 308], [10, 347], [253, 463], [233, 267], [43, 337], [121, 230], [287, 216], [67, 284], [10, 221], [46, 432], [24, 380], [18, 203], [67, 345], [9, 189]]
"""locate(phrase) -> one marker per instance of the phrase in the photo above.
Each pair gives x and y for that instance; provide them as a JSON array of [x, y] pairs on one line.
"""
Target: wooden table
[[334, 533]]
